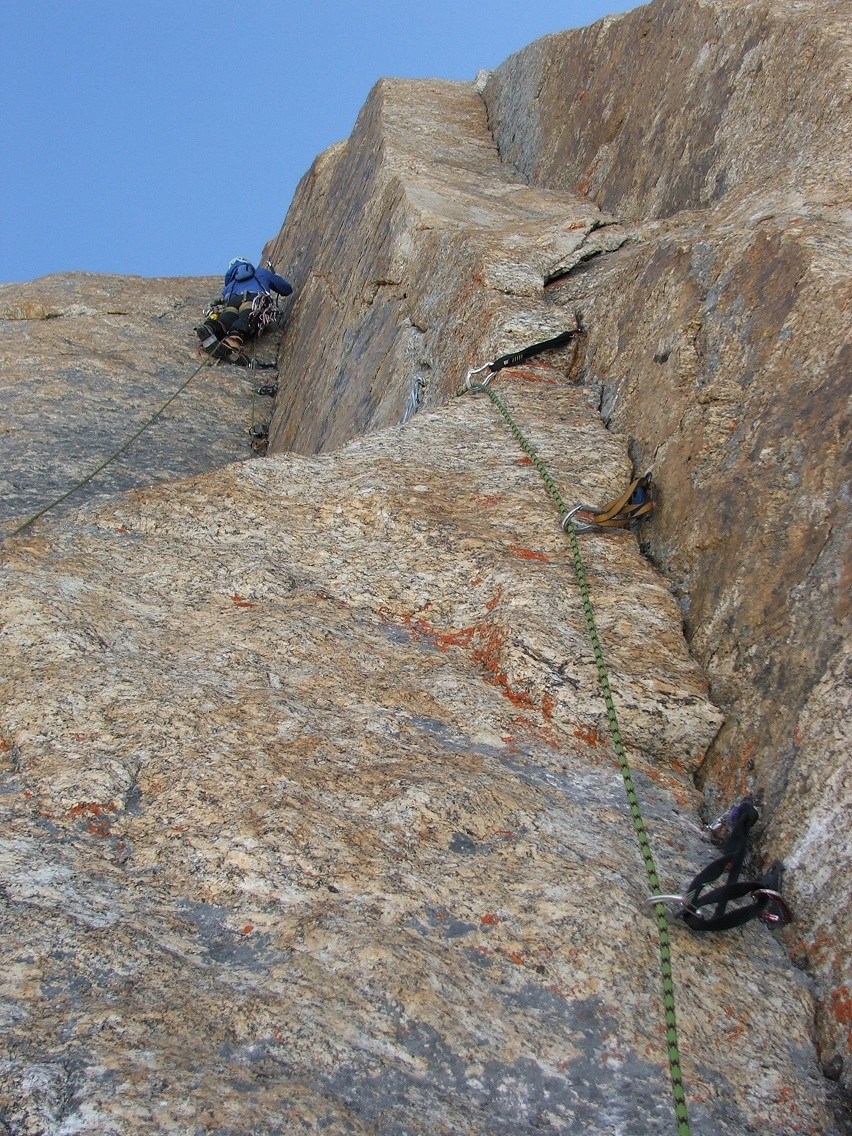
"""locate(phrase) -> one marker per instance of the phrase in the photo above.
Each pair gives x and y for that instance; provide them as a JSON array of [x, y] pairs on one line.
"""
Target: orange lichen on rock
[[840, 1007], [422, 629], [99, 818], [667, 781], [495, 600], [487, 654], [590, 736], [485, 642], [91, 808], [521, 553], [535, 373]]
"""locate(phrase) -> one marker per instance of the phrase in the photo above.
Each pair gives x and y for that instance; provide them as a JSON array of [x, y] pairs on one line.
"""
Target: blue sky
[[164, 137]]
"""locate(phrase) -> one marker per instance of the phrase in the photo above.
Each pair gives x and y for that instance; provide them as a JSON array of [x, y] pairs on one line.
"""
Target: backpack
[[244, 272]]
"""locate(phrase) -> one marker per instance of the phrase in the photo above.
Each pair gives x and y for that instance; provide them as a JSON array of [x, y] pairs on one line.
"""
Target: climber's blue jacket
[[244, 277]]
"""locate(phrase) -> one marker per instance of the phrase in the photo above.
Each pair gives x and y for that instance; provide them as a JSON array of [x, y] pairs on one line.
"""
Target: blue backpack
[[244, 272]]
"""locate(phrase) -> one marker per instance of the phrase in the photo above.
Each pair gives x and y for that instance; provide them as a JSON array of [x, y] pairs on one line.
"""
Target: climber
[[236, 316]]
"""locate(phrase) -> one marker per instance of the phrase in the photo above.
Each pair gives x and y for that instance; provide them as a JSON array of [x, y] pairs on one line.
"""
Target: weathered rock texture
[[722, 133], [415, 251], [682, 174], [84, 361], [310, 817]]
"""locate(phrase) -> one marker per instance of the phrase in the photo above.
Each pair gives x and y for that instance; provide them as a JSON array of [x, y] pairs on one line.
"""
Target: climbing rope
[[266, 310], [569, 527], [268, 315], [115, 454]]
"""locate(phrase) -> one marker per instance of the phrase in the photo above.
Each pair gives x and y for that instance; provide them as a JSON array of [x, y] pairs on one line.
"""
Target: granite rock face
[[721, 135], [310, 816], [415, 253], [311, 820], [681, 176], [84, 361], [679, 106]]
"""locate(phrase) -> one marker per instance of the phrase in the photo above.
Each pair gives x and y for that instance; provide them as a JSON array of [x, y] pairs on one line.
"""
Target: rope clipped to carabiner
[[515, 358], [570, 529], [638, 499], [635, 502]]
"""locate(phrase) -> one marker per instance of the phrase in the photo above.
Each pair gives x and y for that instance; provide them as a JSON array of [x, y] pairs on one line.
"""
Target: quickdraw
[[767, 902], [514, 358], [264, 314], [637, 501]]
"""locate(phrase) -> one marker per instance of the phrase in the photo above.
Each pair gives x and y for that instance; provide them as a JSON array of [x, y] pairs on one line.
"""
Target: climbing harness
[[767, 902], [215, 335], [265, 315], [571, 529]]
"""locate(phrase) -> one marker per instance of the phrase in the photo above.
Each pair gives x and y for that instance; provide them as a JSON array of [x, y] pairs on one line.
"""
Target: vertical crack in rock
[[720, 346]]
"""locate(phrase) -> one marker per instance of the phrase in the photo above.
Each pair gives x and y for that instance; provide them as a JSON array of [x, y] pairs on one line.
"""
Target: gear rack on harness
[[215, 340], [247, 308]]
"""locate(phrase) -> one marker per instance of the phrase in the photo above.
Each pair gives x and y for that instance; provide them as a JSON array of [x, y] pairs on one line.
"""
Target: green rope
[[253, 375], [117, 453], [675, 1073]]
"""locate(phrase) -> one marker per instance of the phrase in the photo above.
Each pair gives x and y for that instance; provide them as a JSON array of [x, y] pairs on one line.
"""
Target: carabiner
[[473, 387], [782, 915], [580, 526], [681, 900]]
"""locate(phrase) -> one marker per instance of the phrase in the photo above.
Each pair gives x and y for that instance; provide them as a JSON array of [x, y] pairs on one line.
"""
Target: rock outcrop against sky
[[311, 817]]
